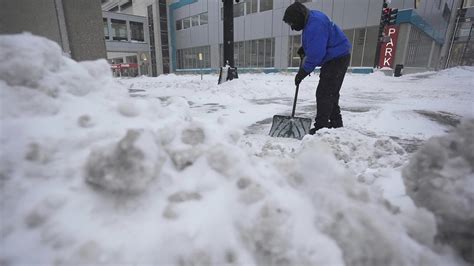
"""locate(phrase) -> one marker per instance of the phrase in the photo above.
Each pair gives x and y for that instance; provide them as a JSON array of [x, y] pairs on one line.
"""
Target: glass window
[[294, 45], [239, 9], [195, 21], [186, 23], [350, 36], [203, 18], [119, 30], [370, 46], [358, 47], [136, 30], [189, 58], [241, 59], [253, 53], [106, 28], [261, 53], [268, 53], [251, 6], [266, 5], [179, 24]]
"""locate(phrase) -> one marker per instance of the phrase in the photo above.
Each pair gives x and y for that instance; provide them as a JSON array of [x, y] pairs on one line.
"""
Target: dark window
[[238, 9], [203, 18], [266, 5], [195, 21], [186, 23], [252, 6], [106, 28], [137, 33], [179, 24], [119, 30]]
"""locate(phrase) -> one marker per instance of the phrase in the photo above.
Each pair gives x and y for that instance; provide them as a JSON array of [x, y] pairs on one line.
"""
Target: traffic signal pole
[[228, 71], [387, 17], [228, 32]]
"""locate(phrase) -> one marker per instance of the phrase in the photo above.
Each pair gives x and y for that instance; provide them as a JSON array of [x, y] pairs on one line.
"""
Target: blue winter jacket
[[322, 41]]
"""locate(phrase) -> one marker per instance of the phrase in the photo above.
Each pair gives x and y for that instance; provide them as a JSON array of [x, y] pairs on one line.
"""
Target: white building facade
[[180, 30]]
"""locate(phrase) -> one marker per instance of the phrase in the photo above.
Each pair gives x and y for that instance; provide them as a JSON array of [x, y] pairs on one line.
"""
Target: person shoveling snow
[[323, 44]]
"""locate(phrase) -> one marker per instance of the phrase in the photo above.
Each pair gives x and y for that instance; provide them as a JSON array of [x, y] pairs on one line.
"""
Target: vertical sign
[[387, 52]]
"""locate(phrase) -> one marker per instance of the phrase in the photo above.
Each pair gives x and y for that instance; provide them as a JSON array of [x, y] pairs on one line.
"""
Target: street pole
[[380, 34], [228, 32]]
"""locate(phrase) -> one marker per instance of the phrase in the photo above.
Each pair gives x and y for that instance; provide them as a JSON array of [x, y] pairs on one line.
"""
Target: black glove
[[300, 76], [301, 52]]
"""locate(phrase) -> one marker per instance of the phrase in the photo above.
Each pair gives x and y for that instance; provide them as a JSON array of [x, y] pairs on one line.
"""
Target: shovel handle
[[294, 102], [297, 88]]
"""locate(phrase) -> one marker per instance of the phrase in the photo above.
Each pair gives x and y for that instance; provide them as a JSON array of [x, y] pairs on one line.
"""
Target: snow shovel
[[290, 126]]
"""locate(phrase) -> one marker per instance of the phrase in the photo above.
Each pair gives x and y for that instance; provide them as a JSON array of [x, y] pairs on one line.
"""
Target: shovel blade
[[290, 127]]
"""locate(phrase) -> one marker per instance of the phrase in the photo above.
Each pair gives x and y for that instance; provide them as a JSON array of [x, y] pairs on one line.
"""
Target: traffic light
[[393, 16], [389, 16], [385, 16]]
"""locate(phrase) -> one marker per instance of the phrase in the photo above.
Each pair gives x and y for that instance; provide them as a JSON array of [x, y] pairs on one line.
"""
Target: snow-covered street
[[175, 170]]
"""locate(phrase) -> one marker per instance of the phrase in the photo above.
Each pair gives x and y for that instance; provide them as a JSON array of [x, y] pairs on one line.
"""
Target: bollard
[[398, 71]]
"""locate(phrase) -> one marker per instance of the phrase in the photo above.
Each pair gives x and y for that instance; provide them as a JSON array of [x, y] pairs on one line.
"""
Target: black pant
[[328, 113]]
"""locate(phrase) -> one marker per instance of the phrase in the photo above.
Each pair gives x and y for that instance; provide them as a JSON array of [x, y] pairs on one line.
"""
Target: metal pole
[[228, 32], [379, 41], [379, 46]]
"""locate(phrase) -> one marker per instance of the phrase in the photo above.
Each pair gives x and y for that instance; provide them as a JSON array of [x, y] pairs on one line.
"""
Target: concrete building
[[263, 41], [128, 44], [181, 30], [461, 41], [74, 24], [156, 31]]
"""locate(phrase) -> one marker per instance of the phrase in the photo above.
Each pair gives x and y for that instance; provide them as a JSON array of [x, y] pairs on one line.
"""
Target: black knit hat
[[295, 16]]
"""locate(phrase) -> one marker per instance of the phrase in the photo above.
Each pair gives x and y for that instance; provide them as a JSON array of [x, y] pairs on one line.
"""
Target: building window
[[186, 23], [266, 5], [119, 30], [253, 53], [179, 24], [239, 9], [136, 29], [251, 6], [106, 28], [294, 45], [189, 58], [195, 21], [468, 3], [203, 18]]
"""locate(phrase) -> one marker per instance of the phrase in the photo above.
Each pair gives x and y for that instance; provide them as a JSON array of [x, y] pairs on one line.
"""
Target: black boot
[[318, 125], [337, 122]]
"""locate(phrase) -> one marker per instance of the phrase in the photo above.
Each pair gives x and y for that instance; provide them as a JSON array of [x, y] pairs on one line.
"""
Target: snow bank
[[92, 176], [440, 177]]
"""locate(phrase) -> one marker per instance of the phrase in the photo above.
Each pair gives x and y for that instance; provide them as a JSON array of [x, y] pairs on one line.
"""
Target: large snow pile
[[440, 177], [89, 175]]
